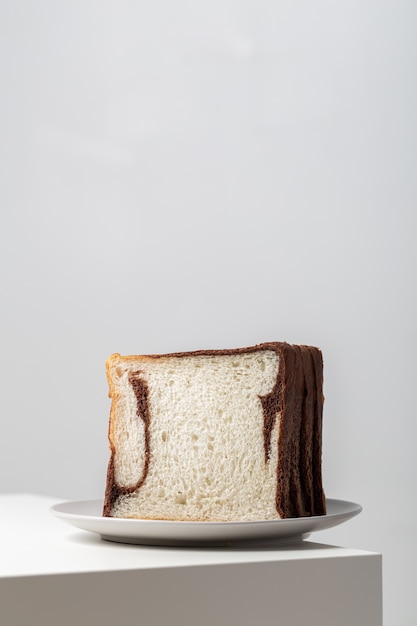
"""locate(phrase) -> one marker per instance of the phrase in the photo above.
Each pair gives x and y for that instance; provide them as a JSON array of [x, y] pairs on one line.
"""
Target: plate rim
[[174, 532], [351, 509]]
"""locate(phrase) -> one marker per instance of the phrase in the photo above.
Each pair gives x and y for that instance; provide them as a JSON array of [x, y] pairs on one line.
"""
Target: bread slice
[[216, 435]]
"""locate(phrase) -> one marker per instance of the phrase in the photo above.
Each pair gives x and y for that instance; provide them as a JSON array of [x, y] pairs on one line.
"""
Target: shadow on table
[[92, 539]]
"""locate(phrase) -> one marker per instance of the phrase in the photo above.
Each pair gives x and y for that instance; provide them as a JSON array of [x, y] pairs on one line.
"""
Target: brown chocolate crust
[[299, 487], [297, 397]]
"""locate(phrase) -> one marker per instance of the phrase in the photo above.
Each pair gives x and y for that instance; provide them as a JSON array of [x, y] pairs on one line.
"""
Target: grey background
[[183, 175]]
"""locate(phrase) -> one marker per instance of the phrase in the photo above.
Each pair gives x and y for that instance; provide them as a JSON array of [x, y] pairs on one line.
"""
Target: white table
[[54, 574]]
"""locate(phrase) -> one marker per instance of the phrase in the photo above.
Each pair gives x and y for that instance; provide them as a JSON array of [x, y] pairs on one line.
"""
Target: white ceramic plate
[[86, 514]]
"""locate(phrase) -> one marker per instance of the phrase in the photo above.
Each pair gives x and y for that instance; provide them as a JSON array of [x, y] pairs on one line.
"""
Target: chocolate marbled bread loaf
[[216, 435]]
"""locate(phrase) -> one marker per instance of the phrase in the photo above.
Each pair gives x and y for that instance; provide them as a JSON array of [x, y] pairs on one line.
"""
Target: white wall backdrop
[[183, 175]]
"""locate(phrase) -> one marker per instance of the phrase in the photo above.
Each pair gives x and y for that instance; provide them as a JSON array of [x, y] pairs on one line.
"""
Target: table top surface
[[34, 542]]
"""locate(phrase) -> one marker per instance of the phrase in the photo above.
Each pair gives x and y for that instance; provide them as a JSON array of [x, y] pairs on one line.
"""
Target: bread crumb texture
[[205, 446]]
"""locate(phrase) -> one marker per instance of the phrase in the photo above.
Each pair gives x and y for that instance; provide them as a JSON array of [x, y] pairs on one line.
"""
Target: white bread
[[200, 436]]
